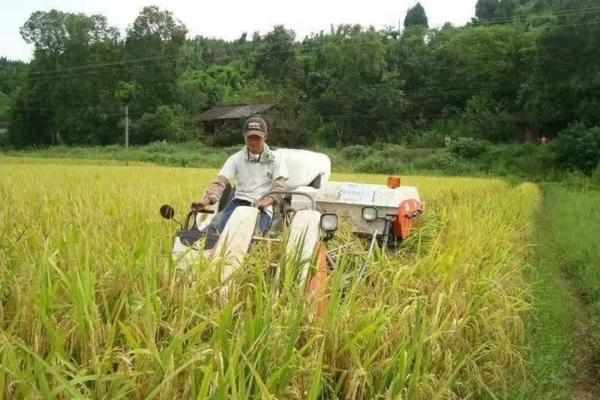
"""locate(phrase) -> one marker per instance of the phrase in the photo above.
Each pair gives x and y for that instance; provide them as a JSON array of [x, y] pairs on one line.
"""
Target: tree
[[11, 73], [578, 147], [276, 57], [125, 92], [416, 17], [490, 60], [152, 50], [344, 79], [507, 9], [163, 124], [486, 9], [563, 85], [67, 94], [4, 109]]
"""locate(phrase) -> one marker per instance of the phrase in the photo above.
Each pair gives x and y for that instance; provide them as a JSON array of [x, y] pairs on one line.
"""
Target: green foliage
[[486, 9], [57, 103], [416, 17], [394, 151], [578, 147], [563, 84], [352, 85], [550, 324], [326, 134], [427, 139], [4, 109], [468, 148], [531, 161], [377, 165], [516, 162], [443, 162], [125, 92], [198, 90], [356, 151], [163, 124], [276, 57], [571, 241], [155, 36], [485, 118], [11, 73], [350, 90]]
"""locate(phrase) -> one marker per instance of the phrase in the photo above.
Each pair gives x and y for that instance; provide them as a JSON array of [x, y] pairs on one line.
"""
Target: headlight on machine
[[369, 214], [329, 222]]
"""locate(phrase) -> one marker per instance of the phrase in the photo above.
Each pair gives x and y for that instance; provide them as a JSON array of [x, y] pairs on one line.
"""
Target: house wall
[[286, 129]]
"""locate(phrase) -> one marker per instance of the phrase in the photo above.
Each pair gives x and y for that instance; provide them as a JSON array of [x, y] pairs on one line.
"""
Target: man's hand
[[200, 205], [264, 203]]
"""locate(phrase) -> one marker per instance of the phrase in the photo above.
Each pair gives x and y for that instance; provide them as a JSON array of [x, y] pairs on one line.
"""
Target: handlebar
[[312, 199], [204, 211], [191, 218]]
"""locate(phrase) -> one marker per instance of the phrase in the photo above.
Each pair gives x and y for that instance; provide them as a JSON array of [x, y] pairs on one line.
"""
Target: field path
[[586, 383]]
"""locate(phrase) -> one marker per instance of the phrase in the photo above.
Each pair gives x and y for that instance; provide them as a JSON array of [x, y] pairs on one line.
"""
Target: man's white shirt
[[254, 175]]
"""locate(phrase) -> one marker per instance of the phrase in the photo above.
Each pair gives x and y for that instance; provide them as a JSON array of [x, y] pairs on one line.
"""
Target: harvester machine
[[308, 218]]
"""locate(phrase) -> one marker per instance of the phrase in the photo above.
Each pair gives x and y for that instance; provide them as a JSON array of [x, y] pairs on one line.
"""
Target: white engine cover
[[304, 166]]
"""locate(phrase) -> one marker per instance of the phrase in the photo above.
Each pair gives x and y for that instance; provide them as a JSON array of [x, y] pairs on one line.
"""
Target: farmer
[[257, 171]]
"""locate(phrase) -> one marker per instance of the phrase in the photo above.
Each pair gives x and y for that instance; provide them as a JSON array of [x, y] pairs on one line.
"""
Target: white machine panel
[[365, 194], [304, 166], [347, 199]]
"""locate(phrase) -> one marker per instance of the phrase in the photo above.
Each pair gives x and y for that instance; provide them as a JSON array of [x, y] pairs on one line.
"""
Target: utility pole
[[126, 134], [124, 93]]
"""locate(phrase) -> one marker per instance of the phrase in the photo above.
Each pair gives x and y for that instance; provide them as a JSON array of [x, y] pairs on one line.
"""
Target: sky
[[228, 19]]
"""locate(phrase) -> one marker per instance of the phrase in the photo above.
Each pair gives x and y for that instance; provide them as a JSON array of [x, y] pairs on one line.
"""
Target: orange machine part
[[318, 285], [393, 181], [407, 211]]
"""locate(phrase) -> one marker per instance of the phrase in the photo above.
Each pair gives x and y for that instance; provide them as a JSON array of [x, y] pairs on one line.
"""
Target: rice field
[[91, 305]]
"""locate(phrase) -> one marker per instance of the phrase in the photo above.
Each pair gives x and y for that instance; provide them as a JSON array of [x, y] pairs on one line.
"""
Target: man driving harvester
[[257, 170]]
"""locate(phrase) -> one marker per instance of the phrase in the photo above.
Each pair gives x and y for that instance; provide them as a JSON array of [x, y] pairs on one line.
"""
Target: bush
[[468, 147], [327, 135], [356, 151], [596, 176], [161, 147], [578, 148], [394, 151], [524, 160], [442, 161], [164, 124], [428, 140], [377, 165], [485, 117]]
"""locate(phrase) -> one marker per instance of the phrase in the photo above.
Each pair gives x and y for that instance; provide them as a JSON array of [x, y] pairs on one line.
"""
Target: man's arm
[[217, 187], [215, 190]]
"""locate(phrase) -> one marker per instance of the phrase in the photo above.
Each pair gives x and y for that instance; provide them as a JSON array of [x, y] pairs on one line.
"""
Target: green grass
[[573, 222], [566, 260], [550, 325]]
